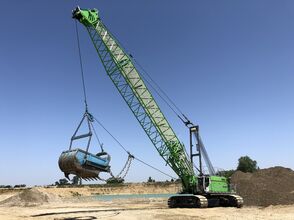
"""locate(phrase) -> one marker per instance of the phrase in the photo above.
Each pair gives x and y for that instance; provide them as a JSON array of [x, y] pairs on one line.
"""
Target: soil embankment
[[28, 197], [109, 189], [102, 189], [272, 186]]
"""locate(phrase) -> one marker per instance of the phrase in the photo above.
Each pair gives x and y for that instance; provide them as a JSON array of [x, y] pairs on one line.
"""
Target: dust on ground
[[44, 205], [263, 193], [137, 209]]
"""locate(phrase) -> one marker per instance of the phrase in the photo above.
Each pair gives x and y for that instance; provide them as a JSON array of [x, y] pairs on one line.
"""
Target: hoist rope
[[81, 65], [86, 105], [84, 86], [128, 163]]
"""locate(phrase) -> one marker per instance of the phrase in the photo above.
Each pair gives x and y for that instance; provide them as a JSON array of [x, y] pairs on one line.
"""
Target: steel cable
[[129, 152], [167, 99], [85, 100], [81, 64]]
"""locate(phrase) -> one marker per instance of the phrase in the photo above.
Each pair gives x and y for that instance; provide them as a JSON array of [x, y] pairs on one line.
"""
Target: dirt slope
[[28, 197], [272, 186]]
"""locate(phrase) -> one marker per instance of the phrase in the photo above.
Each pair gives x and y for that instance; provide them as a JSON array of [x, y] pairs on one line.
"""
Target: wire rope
[[86, 104], [167, 99], [160, 89], [81, 64], [120, 144], [96, 135]]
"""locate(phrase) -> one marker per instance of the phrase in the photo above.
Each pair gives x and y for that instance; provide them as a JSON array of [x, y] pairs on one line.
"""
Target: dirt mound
[[272, 186], [28, 197]]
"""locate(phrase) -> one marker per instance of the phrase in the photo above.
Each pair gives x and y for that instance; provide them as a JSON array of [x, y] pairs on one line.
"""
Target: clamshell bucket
[[80, 162], [83, 164]]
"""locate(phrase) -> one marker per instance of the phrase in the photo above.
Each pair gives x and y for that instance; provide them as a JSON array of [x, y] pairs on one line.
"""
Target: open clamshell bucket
[[83, 164]]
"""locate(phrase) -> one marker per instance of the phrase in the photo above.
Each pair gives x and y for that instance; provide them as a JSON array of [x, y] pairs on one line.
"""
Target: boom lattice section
[[130, 85]]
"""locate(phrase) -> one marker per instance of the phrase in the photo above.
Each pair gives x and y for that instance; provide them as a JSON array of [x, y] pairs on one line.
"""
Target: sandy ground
[[77, 208]]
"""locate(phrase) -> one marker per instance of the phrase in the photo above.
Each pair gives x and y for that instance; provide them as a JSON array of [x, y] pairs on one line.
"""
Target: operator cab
[[203, 183], [213, 184]]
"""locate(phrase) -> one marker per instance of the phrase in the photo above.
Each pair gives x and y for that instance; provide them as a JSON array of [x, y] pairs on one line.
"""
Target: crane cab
[[213, 184]]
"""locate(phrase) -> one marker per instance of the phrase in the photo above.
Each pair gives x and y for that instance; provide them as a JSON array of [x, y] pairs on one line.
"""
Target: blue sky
[[227, 64]]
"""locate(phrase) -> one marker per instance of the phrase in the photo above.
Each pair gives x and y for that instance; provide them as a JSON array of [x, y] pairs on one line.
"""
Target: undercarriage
[[205, 201]]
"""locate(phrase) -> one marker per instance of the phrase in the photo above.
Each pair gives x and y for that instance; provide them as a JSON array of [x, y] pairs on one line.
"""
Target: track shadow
[[79, 218], [91, 211]]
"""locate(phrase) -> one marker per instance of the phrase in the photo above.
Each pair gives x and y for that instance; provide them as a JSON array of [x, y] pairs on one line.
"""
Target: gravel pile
[[272, 186], [28, 197]]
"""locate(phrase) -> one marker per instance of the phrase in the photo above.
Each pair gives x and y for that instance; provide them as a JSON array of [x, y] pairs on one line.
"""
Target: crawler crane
[[201, 190]]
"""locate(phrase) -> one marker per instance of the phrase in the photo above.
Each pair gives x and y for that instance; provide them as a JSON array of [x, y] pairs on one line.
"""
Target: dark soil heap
[[29, 197], [272, 186]]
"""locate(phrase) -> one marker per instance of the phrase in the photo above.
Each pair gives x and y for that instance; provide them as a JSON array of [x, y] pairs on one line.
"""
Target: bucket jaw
[[83, 164], [80, 162]]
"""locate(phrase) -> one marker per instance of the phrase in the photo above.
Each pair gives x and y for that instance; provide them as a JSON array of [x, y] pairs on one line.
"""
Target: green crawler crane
[[198, 190]]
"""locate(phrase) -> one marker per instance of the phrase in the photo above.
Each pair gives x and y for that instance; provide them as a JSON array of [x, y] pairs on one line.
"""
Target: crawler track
[[187, 201], [201, 201], [236, 201]]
